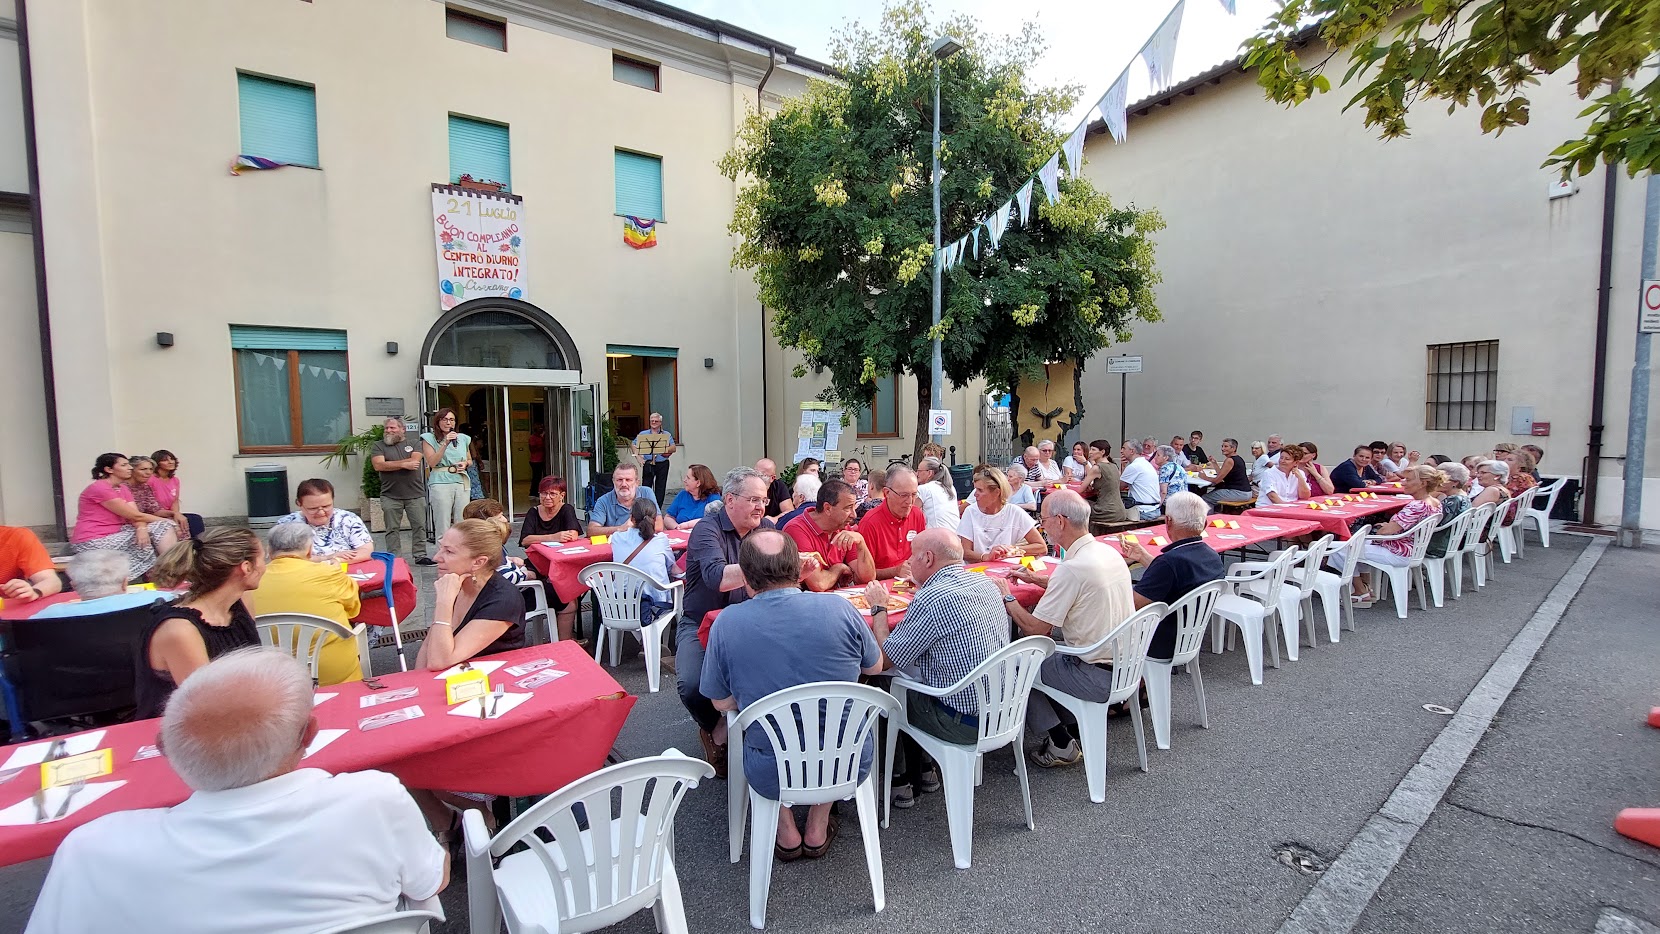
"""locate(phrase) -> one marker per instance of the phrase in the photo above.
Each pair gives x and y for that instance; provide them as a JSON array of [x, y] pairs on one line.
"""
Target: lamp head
[[944, 47]]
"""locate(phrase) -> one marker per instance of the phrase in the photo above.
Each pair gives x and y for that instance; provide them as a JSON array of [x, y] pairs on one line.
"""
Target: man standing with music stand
[[653, 448]]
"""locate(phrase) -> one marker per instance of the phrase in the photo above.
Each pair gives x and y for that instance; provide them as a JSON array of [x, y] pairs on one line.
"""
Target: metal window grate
[[1461, 390]]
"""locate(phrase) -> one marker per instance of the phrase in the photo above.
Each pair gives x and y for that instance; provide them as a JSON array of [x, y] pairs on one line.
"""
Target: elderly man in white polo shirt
[[1085, 597], [262, 846]]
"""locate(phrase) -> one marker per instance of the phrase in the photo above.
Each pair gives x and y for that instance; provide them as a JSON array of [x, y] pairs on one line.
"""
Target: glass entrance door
[[585, 455]]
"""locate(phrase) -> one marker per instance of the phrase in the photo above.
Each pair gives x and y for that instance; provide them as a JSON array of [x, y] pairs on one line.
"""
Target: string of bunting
[[1158, 54]]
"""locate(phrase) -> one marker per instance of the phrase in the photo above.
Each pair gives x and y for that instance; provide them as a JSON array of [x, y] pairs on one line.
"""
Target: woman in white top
[[1076, 464], [1283, 482], [937, 502], [642, 547], [992, 527]]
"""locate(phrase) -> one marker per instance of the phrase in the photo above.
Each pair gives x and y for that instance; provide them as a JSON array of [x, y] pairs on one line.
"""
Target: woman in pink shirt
[[108, 520], [1419, 482], [166, 486]]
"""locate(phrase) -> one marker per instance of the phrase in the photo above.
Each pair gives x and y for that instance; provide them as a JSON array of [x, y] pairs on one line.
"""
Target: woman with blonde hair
[[208, 620], [1420, 483], [992, 527], [475, 611]]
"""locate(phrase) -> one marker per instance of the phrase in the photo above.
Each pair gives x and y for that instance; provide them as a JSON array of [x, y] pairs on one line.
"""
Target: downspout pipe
[[42, 308], [1599, 365], [766, 407]]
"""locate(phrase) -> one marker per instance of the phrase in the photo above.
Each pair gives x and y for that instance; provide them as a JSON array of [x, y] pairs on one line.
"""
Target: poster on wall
[[820, 433], [480, 244]]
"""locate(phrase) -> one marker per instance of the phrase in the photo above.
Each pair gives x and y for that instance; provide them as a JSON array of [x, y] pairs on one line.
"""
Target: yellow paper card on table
[[1218, 523], [1025, 561], [465, 685], [1130, 539], [1233, 524], [977, 570], [72, 769], [1160, 541], [600, 539]]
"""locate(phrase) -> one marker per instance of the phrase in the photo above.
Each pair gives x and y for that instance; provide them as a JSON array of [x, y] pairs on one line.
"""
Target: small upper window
[[475, 29], [278, 120], [635, 72]]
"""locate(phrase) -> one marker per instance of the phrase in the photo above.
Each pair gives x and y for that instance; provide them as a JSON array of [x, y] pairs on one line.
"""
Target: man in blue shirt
[[654, 448], [779, 638], [610, 512], [1184, 565], [1355, 472]]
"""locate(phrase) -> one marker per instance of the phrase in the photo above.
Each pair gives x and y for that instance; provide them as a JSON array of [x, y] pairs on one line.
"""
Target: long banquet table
[[562, 565], [562, 733], [1336, 512]]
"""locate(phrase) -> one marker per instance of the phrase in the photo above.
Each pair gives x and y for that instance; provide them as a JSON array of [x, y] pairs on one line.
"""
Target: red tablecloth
[[562, 565], [1340, 510], [1251, 531], [374, 611], [17, 609], [563, 733], [1387, 488]]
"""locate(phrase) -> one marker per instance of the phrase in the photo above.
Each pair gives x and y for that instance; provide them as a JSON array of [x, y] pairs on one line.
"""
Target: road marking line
[[1335, 903]]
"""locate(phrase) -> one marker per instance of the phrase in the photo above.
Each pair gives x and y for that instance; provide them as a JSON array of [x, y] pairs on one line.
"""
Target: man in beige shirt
[[1085, 597]]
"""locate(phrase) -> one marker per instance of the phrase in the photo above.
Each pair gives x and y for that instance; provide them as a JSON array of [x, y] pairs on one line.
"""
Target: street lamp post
[[941, 49]]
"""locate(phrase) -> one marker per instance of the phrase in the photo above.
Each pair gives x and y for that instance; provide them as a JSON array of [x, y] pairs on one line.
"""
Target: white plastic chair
[[1129, 641], [539, 610], [1401, 579], [1504, 526], [817, 753], [1335, 589], [1001, 685], [1479, 551], [1251, 611], [302, 636], [599, 864], [1192, 616], [1518, 531], [1297, 595], [617, 587], [1541, 514], [1458, 532], [397, 922]]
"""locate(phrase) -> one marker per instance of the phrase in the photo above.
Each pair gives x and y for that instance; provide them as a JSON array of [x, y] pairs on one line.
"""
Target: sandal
[[817, 852], [787, 856]]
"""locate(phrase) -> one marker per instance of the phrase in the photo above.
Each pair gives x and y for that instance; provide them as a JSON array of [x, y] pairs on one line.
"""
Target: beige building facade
[[171, 282], [1326, 286]]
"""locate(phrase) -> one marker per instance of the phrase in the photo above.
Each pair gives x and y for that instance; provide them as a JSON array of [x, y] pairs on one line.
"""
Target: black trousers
[[656, 476]]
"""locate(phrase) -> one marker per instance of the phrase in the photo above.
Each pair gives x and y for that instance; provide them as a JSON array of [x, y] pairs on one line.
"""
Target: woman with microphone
[[445, 452]]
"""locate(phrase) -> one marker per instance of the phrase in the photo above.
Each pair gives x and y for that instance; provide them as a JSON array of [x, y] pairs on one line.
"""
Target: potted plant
[[369, 486]]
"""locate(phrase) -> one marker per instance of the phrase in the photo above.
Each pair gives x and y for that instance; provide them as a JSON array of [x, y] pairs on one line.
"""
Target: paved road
[[1305, 759]]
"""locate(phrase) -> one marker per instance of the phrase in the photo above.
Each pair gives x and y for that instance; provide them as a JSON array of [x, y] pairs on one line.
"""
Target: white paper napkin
[[573, 551], [23, 813], [485, 667], [471, 708], [363, 576], [326, 695], [35, 753], [323, 738]]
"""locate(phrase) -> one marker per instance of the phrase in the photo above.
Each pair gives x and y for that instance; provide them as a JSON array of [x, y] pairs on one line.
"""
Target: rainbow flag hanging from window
[[639, 233], [246, 163]]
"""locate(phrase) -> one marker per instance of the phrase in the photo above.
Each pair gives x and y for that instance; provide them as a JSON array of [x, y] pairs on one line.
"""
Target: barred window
[[1461, 392]]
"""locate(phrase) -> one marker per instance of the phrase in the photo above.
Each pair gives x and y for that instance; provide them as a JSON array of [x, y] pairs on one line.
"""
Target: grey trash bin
[[267, 493]]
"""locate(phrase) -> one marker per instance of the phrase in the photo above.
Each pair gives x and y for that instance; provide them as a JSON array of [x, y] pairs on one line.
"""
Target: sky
[[1089, 41]]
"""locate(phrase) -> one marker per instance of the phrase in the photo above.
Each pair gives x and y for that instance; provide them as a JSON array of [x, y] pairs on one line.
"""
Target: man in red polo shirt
[[844, 556], [889, 528]]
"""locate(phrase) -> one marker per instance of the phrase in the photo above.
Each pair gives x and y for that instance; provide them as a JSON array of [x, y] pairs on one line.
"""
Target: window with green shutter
[[278, 119], [481, 150], [292, 388], [639, 185]]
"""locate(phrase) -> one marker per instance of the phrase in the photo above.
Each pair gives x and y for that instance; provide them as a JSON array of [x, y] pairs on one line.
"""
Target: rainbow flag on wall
[[247, 163], [639, 233]]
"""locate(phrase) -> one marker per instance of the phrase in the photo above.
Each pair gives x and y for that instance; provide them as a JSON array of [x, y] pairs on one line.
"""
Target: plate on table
[[895, 602]]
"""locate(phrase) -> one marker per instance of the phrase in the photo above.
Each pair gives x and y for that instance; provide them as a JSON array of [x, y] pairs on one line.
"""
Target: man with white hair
[[293, 583], [1026, 464], [1085, 597], [262, 846], [100, 580], [1182, 566]]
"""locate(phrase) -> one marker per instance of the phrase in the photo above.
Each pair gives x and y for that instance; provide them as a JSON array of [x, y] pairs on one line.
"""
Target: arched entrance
[[514, 377]]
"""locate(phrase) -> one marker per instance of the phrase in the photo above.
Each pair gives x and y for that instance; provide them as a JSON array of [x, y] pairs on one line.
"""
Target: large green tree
[[836, 221], [1483, 53]]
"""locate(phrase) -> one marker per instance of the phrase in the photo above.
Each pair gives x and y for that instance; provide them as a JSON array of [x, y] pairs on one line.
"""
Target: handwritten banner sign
[[480, 236]]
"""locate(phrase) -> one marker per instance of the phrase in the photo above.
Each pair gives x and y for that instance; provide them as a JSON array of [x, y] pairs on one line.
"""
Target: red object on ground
[[1654, 716], [1334, 518], [561, 566], [1641, 824], [374, 612], [561, 734]]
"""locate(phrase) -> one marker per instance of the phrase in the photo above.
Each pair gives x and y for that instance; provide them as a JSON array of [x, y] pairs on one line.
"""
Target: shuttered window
[[292, 388], [475, 29], [639, 186], [250, 337], [279, 120], [638, 73], [481, 150]]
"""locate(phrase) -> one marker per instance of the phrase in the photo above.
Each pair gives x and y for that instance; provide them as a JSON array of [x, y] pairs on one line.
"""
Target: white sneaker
[[1051, 756]]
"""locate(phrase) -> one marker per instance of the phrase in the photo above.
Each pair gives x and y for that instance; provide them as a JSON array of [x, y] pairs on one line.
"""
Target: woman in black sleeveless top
[[209, 620]]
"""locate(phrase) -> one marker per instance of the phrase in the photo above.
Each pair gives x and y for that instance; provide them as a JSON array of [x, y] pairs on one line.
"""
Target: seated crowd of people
[[756, 618]]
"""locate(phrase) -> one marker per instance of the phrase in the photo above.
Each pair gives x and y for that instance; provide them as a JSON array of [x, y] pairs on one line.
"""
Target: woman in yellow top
[[294, 583]]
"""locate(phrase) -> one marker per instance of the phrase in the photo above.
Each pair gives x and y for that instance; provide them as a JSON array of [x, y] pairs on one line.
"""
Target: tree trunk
[[924, 402]]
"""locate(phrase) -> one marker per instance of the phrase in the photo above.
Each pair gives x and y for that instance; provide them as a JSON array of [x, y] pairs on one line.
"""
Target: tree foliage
[[1485, 53], [835, 217]]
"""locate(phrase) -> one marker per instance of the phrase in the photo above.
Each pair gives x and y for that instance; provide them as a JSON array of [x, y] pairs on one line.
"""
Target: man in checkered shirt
[[956, 622]]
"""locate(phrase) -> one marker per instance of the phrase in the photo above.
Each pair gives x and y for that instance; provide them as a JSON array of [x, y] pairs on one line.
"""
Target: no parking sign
[[1648, 318], [939, 421]]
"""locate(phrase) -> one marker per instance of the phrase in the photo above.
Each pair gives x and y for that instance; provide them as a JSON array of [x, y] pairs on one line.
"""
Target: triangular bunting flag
[[962, 249], [1050, 175], [1229, 6], [1024, 198], [1160, 51], [998, 223], [1073, 149], [1112, 107], [976, 241]]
